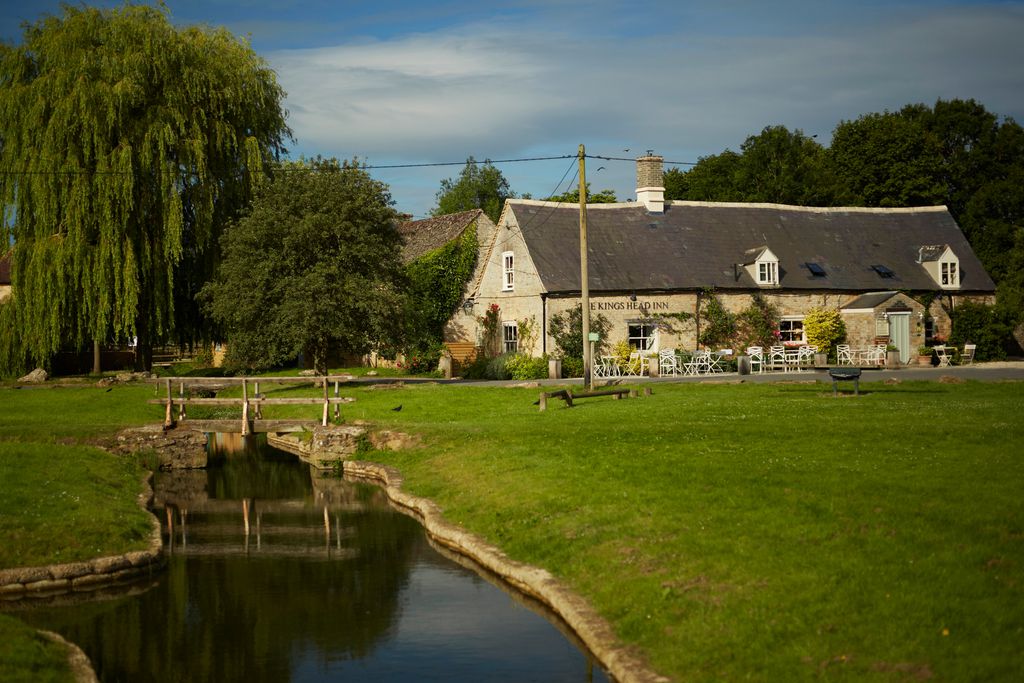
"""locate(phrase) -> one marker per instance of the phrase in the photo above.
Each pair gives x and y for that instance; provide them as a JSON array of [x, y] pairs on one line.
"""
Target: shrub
[[496, 366], [824, 328], [979, 324], [621, 352], [421, 362], [572, 367], [526, 367]]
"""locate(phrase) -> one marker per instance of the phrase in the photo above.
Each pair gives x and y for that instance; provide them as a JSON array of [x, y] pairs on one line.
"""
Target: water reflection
[[279, 575]]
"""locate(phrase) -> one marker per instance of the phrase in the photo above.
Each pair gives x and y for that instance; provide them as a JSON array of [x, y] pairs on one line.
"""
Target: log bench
[[567, 396]]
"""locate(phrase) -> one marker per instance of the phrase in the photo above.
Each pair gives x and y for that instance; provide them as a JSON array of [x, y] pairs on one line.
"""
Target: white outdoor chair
[[756, 354], [876, 355], [967, 357], [777, 359], [806, 356], [699, 364], [667, 363], [843, 354], [944, 355], [635, 364], [605, 366]]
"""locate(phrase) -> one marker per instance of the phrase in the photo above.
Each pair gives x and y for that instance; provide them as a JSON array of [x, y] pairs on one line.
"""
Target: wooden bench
[[845, 374], [567, 396]]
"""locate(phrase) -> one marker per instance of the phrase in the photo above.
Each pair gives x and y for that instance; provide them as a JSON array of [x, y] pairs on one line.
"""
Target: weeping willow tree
[[126, 144]]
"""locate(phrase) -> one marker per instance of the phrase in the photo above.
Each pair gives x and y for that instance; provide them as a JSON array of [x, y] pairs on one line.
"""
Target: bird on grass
[[397, 408]]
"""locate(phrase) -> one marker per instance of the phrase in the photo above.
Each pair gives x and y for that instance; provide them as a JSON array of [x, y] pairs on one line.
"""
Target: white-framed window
[[791, 331], [508, 271], [767, 272], [510, 337], [949, 274], [641, 336]]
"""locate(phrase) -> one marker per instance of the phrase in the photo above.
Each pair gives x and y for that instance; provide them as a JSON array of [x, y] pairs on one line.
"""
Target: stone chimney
[[650, 183]]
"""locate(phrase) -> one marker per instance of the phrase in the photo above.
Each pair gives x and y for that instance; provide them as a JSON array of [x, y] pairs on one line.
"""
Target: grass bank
[[62, 500], [756, 531], [28, 657], [762, 531]]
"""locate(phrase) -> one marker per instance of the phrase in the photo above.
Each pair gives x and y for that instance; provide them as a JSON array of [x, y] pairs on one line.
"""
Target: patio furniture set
[[672, 363]]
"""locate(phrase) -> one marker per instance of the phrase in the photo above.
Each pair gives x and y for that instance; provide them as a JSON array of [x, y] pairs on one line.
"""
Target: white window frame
[[510, 337], [767, 272], [641, 341], [949, 273], [787, 321], [508, 271]]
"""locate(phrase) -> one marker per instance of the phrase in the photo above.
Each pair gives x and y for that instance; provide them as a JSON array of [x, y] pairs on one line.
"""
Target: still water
[[279, 574]]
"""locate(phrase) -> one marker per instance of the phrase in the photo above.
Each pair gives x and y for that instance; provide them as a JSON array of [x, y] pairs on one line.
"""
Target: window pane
[[510, 337], [641, 336]]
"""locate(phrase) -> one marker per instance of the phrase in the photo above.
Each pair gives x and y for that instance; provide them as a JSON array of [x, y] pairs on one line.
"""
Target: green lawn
[[761, 531], [769, 532]]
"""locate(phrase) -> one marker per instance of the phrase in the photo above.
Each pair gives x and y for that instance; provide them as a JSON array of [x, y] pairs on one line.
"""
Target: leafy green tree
[[775, 166], [314, 266], [715, 178], [573, 197], [888, 159], [479, 186], [783, 167], [127, 143]]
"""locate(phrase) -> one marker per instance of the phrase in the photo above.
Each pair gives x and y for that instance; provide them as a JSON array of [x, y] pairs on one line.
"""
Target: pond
[[277, 573]]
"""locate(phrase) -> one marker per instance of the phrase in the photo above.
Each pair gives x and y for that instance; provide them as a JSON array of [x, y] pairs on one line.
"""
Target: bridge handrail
[[245, 400]]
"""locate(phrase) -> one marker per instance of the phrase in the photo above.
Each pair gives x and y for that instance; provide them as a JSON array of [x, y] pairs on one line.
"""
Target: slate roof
[[433, 233], [699, 244], [872, 300]]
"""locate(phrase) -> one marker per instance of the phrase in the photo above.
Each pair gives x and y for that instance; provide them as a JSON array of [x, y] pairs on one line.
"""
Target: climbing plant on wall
[[437, 281], [719, 326]]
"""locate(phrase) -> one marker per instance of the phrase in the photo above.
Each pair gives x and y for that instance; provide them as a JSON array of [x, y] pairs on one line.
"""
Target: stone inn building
[[652, 258]]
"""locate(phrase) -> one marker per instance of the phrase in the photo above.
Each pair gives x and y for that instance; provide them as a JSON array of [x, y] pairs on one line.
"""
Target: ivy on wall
[[437, 281]]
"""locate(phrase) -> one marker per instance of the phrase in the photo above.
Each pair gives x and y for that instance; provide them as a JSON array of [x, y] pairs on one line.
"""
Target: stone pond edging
[[22, 582], [592, 629]]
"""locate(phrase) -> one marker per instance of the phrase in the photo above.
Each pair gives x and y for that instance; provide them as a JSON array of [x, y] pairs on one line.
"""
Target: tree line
[[955, 153]]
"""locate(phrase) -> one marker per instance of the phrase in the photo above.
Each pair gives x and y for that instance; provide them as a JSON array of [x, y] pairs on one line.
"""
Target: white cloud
[[501, 89]]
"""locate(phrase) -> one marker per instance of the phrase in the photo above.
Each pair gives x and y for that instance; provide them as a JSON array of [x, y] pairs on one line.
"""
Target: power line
[[277, 168]]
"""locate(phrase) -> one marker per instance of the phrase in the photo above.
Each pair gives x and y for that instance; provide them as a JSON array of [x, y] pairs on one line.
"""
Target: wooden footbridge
[[251, 403]]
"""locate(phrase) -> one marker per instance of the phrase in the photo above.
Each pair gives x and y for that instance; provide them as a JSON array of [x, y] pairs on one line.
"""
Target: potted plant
[[924, 355]]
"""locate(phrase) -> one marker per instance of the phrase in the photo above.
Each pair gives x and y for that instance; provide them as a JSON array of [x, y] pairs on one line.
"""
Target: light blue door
[[899, 334]]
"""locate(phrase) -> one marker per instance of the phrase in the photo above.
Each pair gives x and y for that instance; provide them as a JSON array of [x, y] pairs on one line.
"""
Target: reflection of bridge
[[237, 527], [252, 405]]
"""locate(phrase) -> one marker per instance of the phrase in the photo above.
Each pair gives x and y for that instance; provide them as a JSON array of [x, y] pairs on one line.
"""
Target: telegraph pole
[[588, 361]]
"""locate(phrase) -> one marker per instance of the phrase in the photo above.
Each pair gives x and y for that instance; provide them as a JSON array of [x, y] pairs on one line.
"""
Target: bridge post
[[337, 406], [245, 407], [168, 415], [326, 404]]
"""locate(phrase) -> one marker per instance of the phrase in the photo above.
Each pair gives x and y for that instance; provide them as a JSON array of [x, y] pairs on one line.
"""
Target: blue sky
[[419, 82]]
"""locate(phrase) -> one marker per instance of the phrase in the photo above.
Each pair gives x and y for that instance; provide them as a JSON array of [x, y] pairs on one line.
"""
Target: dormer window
[[766, 268], [942, 264], [508, 271], [949, 274]]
